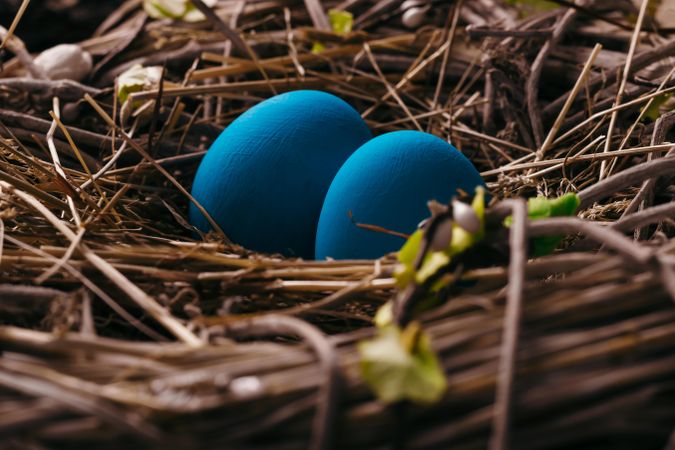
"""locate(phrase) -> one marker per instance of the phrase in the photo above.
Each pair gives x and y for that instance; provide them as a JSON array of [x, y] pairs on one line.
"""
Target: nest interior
[[120, 327]]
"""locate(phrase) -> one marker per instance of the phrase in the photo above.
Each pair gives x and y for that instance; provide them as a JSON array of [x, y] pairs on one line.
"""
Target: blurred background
[[70, 20]]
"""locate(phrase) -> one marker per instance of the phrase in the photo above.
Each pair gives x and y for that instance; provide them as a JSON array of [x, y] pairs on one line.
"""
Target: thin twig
[[134, 292], [151, 160], [604, 171], [532, 84], [603, 235], [234, 37], [499, 440], [15, 22], [568, 104], [626, 178], [324, 425]]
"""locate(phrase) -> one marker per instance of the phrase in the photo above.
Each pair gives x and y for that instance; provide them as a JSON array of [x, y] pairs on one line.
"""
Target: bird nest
[[121, 328]]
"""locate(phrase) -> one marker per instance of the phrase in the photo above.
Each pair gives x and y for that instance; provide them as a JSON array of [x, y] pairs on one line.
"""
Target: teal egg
[[387, 182], [265, 177]]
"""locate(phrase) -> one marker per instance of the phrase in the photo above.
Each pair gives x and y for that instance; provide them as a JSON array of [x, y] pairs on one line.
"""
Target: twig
[[568, 104], [501, 424], [57, 162], [645, 217], [86, 282], [644, 110], [626, 178], [233, 36], [324, 424], [111, 162], [318, 15], [124, 420], [15, 22], [409, 75], [390, 89], [28, 292], [661, 127], [23, 185], [562, 165], [331, 301], [60, 263], [589, 12], [604, 171], [134, 292], [579, 157], [446, 54], [532, 84], [17, 46], [640, 61], [604, 235], [151, 160], [66, 90], [478, 32], [603, 113]]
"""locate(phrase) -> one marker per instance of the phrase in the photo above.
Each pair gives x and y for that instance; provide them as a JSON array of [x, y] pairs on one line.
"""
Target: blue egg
[[387, 182], [265, 178]]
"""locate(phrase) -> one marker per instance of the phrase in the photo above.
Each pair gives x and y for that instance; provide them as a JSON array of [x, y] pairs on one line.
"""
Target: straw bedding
[[120, 328]]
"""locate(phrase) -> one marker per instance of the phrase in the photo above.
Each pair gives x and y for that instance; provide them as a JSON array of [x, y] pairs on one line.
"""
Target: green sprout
[[341, 22]]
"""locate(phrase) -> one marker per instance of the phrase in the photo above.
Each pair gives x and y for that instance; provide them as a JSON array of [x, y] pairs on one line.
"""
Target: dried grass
[[120, 328]]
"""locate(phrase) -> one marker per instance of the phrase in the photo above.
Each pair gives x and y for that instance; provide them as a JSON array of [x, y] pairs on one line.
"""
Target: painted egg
[[265, 177], [387, 182]]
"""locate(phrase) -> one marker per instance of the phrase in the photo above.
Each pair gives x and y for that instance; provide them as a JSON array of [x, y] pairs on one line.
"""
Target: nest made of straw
[[120, 329]]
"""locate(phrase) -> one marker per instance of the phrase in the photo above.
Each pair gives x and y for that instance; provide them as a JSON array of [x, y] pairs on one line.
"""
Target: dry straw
[[122, 329]]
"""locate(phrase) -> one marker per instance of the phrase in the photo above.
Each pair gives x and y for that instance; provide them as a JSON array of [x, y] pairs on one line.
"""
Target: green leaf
[[341, 21], [409, 251], [164, 9], [318, 47], [544, 245], [136, 79], [538, 208], [192, 14], [653, 111], [400, 365], [405, 272], [565, 205], [478, 205], [432, 263], [543, 208], [460, 241], [384, 315], [175, 9]]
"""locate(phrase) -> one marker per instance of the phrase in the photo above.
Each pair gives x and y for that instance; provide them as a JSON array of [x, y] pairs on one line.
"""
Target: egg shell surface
[[265, 177], [388, 182]]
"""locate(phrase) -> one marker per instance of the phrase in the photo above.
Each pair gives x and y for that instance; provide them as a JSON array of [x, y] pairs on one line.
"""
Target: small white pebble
[[65, 61], [414, 17], [245, 386]]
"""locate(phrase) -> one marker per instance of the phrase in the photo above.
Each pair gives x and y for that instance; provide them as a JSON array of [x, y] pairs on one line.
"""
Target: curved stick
[[661, 128], [629, 177], [532, 85], [645, 217], [326, 410], [501, 423], [604, 235]]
